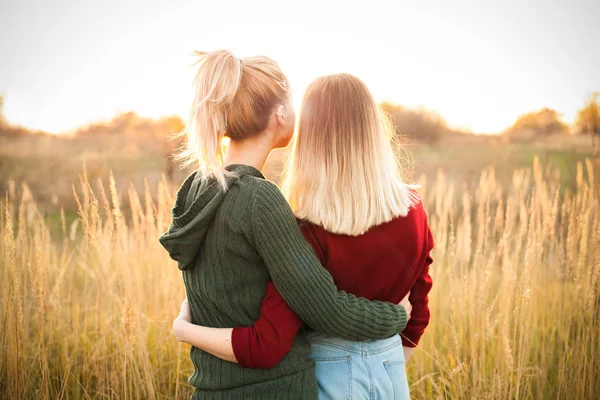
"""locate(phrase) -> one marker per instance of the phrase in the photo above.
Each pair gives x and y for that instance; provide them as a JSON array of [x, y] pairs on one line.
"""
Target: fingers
[[405, 299], [185, 312], [406, 304]]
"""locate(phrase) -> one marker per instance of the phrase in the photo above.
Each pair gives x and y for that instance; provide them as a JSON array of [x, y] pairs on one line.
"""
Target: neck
[[252, 151]]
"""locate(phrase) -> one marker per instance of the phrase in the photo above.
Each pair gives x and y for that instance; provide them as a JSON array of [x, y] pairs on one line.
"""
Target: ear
[[281, 114], [276, 119]]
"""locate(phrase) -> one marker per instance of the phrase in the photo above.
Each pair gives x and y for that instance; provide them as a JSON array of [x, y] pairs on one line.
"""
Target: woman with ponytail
[[235, 239]]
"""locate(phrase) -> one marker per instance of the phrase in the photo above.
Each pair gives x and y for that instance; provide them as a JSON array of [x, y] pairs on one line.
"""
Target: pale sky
[[478, 63]]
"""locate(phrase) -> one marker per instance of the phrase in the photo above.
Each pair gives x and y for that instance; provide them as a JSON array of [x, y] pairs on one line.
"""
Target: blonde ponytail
[[232, 98], [215, 85]]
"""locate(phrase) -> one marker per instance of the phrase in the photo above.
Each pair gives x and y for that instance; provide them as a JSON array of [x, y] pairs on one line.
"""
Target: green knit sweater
[[229, 245]]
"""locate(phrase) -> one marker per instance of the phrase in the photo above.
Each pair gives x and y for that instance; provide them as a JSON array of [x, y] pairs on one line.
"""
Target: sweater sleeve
[[271, 337], [308, 287], [419, 318], [310, 236], [265, 343]]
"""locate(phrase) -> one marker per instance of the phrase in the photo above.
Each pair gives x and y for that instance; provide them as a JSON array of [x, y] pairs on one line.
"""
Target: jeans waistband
[[355, 346]]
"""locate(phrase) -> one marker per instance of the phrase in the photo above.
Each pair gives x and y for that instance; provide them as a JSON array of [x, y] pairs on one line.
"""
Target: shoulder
[[267, 193], [416, 216], [420, 216], [266, 188], [256, 189], [417, 203], [268, 201]]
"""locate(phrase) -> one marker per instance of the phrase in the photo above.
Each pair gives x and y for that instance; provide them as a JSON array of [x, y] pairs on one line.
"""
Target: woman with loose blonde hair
[[366, 226], [343, 174], [234, 237]]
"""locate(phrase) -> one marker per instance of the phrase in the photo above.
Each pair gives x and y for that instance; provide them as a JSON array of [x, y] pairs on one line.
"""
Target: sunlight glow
[[457, 59]]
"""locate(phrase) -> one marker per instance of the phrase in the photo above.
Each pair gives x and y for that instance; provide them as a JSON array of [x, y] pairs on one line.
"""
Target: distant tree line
[[132, 125], [588, 120], [548, 121], [8, 129], [537, 123], [417, 124], [146, 132]]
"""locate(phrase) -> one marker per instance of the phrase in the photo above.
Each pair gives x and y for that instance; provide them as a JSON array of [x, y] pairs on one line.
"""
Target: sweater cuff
[[241, 348], [411, 339]]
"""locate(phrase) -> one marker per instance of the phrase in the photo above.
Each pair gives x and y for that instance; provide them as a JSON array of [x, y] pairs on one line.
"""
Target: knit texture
[[229, 245]]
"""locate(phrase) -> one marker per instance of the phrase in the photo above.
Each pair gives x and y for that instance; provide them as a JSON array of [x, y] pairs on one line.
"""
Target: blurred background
[[496, 103], [468, 83]]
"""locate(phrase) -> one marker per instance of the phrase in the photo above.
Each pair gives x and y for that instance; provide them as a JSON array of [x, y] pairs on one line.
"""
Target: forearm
[[419, 298], [408, 352], [414, 330], [310, 291], [216, 341], [264, 344], [348, 316]]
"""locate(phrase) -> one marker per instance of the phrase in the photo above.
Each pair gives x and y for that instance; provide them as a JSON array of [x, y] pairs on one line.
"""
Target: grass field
[[87, 303]]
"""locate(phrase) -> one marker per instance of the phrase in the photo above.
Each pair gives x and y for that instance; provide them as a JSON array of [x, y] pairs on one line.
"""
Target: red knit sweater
[[385, 263]]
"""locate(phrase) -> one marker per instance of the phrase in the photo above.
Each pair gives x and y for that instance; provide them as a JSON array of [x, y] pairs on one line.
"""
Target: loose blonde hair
[[342, 173], [232, 98]]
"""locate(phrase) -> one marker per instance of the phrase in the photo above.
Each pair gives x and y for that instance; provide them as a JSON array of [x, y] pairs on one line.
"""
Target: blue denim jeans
[[359, 369]]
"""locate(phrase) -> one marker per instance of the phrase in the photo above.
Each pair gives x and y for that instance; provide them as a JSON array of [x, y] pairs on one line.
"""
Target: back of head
[[232, 98], [343, 174]]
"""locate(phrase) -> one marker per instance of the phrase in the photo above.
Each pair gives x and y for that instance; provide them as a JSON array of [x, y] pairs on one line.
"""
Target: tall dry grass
[[87, 314], [515, 305]]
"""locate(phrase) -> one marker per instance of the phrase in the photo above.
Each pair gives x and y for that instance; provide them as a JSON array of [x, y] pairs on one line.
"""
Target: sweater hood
[[196, 204]]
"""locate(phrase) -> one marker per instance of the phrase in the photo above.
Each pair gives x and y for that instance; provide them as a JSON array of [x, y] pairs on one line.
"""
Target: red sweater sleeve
[[265, 343], [419, 318]]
